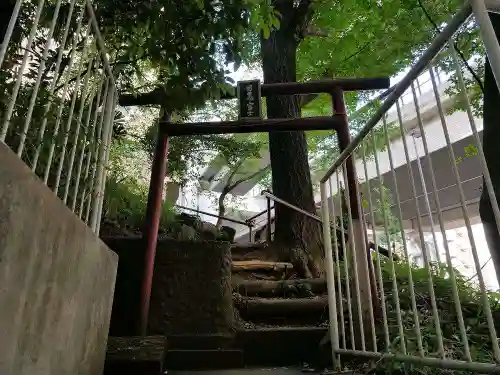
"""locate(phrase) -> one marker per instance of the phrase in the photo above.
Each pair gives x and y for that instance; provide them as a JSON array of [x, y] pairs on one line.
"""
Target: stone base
[[192, 292], [135, 355]]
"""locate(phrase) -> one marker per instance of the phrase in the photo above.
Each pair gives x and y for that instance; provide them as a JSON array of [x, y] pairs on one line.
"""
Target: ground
[[251, 371]]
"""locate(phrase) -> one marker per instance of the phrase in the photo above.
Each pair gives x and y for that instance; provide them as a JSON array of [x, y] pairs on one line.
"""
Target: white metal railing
[[395, 323], [58, 100]]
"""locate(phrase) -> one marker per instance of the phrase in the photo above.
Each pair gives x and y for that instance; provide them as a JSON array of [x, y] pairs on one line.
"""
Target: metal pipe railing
[[289, 205], [403, 317], [214, 215], [74, 121], [252, 218]]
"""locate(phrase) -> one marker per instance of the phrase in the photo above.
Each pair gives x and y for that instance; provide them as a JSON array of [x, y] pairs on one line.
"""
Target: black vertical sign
[[249, 100]]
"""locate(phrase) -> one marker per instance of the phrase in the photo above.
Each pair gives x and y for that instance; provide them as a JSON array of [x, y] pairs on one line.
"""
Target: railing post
[[152, 223], [489, 36], [101, 156], [358, 243], [419, 87], [268, 220], [107, 150], [6, 30], [330, 277]]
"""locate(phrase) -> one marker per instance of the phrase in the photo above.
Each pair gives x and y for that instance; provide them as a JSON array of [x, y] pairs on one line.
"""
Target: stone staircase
[[276, 322]]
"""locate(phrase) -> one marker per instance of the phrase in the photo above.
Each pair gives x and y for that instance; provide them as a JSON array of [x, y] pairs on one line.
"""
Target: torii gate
[[250, 121]]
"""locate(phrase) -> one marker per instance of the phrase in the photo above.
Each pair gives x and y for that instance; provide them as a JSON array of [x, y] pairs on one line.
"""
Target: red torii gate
[[337, 122]]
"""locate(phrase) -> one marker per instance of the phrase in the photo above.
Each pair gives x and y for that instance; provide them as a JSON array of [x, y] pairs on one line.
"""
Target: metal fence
[[58, 99], [379, 307]]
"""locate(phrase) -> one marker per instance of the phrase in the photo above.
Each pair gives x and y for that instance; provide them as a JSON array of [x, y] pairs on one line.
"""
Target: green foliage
[[264, 18], [60, 142], [384, 43], [471, 48], [126, 194], [124, 208], [471, 307], [183, 48], [469, 152], [187, 155], [383, 213], [183, 45], [368, 39]]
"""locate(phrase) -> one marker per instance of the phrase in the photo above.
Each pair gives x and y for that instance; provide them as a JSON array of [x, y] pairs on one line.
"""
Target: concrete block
[[56, 281]]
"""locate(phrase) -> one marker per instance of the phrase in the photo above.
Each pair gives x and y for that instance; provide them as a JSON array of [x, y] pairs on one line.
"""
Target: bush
[[124, 208], [472, 307]]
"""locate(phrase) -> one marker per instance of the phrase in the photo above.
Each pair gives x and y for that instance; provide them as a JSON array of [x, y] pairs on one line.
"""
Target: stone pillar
[[192, 292]]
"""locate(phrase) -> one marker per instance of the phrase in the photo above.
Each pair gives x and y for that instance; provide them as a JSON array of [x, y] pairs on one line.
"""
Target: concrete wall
[[56, 281]]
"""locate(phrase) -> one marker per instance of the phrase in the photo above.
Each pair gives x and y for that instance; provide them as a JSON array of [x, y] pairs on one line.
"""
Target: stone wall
[[191, 287], [56, 281]]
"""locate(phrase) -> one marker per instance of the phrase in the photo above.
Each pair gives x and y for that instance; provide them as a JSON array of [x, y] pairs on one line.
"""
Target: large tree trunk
[[297, 238], [491, 135]]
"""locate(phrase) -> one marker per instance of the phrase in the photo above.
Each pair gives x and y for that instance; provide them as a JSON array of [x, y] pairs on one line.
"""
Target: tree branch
[[155, 97], [230, 186], [81, 75], [312, 31], [233, 173], [249, 177], [455, 45], [363, 47], [308, 98], [158, 97], [116, 63], [126, 62], [301, 11], [301, 18]]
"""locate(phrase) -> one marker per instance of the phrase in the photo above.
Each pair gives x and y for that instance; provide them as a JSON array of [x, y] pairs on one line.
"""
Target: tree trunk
[[491, 134], [297, 238], [222, 207]]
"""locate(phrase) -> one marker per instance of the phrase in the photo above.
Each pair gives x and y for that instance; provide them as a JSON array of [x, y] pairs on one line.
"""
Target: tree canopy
[[354, 38], [182, 55], [340, 40]]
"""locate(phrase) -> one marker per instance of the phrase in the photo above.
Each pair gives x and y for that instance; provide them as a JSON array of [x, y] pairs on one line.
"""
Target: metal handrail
[[100, 41], [371, 245], [289, 205], [252, 218], [214, 215]]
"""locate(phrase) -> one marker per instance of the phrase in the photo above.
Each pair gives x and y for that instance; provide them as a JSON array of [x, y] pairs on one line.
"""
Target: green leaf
[[266, 31]]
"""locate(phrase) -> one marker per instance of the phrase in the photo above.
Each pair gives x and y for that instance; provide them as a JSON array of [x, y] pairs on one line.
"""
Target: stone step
[[309, 311], [279, 288], [135, 355], [200, 341], [280, 346], [217, 359], [244, 371]]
